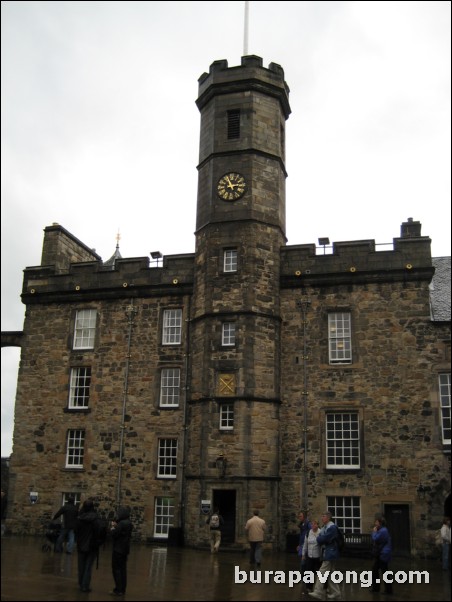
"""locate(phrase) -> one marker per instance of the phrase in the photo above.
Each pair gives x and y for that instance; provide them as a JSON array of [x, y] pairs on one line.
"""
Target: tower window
[[227, 417], [234, 124], [228, 334], [230, 260]]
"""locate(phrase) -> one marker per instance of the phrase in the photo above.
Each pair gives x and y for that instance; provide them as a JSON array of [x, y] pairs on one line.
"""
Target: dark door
[[224, 500], [398, 523]]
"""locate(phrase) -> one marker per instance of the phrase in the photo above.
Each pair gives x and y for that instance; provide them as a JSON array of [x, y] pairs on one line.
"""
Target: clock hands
[[230, 184]]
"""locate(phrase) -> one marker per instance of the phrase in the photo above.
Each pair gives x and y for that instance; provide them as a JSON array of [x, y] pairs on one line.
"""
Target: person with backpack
[[215, 522], [121, 532], [86, 533], [328, 540]]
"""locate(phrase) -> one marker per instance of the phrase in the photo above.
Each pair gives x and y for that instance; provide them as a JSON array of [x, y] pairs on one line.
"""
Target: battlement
[[250, 75], [93, 280], [359, 261]]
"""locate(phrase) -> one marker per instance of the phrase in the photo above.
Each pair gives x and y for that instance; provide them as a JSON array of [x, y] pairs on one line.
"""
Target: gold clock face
[[231, 186]]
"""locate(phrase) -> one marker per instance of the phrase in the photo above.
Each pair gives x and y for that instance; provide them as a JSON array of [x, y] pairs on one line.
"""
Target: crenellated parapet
[[132, 277], [357, 261], [249, 75]]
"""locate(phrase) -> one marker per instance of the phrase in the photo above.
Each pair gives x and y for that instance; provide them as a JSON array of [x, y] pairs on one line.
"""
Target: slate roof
[[440, 290], [110, 263]]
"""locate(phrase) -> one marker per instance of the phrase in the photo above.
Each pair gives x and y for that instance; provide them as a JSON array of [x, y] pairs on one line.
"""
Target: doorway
[[398, 523], [224, 500]]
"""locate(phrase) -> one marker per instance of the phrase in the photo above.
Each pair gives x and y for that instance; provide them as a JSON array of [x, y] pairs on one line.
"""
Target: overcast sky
[[100, 131]]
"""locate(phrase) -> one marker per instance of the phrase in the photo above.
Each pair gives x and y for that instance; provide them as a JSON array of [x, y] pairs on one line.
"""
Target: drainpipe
[[187, 395], [130, 312], [304, 485]]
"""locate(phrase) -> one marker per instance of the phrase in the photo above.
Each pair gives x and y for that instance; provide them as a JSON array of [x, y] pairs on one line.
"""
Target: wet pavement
[[172, 573]]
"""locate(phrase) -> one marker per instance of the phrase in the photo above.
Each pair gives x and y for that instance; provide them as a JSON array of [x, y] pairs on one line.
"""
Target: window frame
[[444, 406], [74, 435], [228, 334], [340, 337], [347, 516], [169, 391], [230, 261], [169, 515], [167, 462], [75, 494], [172, 326], [337, 446], [226, 421], [75, 386], [85, 323]]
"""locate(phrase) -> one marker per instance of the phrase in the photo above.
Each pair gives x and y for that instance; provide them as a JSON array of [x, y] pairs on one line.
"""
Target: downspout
[[304, 487], [130, 312], [186, 389]]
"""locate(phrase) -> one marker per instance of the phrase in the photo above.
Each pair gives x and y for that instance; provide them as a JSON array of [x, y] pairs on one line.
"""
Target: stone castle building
[[249, 374]]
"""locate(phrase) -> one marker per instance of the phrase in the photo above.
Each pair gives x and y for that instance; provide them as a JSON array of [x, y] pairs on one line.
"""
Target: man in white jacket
[[255, 528]]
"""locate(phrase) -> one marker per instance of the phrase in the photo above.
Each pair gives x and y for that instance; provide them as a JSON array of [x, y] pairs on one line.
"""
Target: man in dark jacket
[[86, 533], [121, 532], [69, 513]]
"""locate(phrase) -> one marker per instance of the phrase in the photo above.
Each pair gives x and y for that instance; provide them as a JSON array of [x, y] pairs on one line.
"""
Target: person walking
[[304, 526], [69, 512], [311, 551], [445, 543], [381, 551], [121, 532], [327, 538], [255, 527], [86, 532], [215, 522]]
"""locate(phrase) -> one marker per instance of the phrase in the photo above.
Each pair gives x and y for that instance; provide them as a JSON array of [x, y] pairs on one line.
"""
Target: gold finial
[[118, 238]]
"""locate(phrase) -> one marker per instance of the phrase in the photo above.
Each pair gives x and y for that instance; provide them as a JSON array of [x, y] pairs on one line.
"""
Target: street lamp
[[323, 242], [156, 255]]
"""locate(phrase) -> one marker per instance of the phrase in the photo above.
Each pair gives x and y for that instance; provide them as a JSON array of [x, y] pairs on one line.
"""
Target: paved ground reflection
[[160, 573]]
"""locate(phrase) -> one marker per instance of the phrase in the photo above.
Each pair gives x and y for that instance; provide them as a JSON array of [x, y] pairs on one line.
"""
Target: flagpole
[[245, 35]]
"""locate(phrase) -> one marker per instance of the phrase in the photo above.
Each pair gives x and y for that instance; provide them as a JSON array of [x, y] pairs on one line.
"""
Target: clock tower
[[235, 324]]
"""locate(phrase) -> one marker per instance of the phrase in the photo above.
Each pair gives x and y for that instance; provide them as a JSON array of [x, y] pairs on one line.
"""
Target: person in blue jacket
[[305, 527], [381, 551], [328, 540]]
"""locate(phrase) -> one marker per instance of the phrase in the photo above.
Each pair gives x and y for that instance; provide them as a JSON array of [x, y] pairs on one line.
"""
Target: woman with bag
[[381, 550]]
